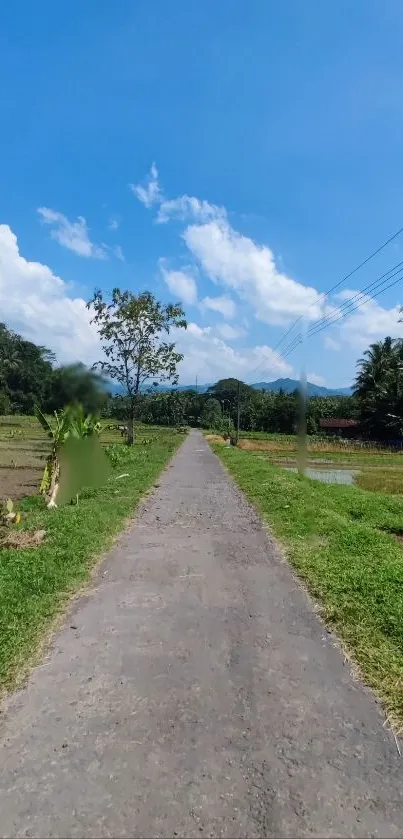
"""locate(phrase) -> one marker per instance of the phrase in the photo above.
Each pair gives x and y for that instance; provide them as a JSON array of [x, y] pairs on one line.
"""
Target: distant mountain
[[117, 389], [289, 385]]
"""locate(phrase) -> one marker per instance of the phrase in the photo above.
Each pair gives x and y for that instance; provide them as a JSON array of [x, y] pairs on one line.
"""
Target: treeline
[[217, 409], [29, 376]]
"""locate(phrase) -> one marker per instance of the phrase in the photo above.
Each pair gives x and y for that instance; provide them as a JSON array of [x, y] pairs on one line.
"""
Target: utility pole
[[196, 384], [302, 440], [238, 411]]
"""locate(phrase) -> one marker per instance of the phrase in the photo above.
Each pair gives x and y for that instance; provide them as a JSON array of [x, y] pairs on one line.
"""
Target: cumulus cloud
[[315, 379], [187, 207], [249, 271], [150, 192], [180, 283], [223, 304], [211, 358], [230, 333], [237, 262], [35, 303], [113, 223], [73, 235], [370, 323]]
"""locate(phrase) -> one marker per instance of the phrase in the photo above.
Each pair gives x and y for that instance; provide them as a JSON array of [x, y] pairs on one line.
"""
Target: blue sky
[[239, 156]]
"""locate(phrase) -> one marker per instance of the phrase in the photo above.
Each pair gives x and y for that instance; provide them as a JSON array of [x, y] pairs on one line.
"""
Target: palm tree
[[374, 369], [379, 388], [9, 354]]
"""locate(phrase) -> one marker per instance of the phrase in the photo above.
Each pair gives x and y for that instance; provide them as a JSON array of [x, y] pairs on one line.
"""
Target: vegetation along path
[[193, 692]]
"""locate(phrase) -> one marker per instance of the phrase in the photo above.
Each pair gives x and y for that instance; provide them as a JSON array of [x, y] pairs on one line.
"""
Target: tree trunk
[[130, 431], [130, 424]]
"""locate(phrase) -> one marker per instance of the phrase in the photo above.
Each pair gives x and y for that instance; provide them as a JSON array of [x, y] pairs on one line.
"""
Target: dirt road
[[193, 692]]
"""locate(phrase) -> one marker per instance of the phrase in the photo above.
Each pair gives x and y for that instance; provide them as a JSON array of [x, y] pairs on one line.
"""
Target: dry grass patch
[[249, 445]]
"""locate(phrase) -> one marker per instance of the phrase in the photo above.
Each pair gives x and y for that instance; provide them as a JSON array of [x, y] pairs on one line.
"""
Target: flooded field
[[328, 476], [347, 463]]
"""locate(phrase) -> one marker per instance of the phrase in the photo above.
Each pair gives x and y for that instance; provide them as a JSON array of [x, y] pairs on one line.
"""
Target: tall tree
[[132, 331], [379, 388], [25, 371], [211, 416]]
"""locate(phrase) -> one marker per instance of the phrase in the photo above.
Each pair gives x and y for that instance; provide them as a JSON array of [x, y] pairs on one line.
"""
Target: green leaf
[[44, 422]]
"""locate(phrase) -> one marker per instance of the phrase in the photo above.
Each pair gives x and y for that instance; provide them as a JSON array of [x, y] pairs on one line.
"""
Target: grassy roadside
[[342, 542], [35, 583]]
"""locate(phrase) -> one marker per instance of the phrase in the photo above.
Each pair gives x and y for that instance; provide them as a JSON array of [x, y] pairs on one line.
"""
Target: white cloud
[[183, 208], [230, 333], [187, 207], [223, 304], [180, 283], [119, 253], [237, 262], [210, 358], [248, 270], [330, 344], [370, 323], [150, 193], [233, 260], [198, 331], [35, 303], [73, 235], [113, 223], [315, 379]]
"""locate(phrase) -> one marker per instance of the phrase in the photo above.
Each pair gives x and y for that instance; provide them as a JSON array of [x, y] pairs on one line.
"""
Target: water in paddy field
[[328, 476]]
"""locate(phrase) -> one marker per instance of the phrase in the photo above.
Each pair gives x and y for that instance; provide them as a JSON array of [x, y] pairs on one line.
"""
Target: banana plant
[[70, 422], [81, 424]]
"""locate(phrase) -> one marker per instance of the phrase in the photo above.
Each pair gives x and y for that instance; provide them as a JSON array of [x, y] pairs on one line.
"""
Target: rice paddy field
[[24, 448], [331, 461]]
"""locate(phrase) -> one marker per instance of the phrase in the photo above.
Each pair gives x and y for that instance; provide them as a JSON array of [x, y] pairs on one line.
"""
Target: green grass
[[340, 541], [35, 583]]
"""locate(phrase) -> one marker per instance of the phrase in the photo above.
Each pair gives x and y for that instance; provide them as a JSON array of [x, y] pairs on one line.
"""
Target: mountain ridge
[[286, 385], [289, 385]]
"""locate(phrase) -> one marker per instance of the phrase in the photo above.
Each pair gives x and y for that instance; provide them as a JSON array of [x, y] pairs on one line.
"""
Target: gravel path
[[193, 692]]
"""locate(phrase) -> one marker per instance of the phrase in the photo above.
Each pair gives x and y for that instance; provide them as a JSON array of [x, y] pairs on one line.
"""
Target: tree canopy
[[379, 389], [28, 379], [132, 331]]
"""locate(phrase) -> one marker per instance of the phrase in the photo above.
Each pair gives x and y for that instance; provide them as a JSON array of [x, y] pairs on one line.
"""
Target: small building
[[340, 427]]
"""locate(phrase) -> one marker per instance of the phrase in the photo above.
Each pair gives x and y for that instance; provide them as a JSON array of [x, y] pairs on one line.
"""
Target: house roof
[[338, 423]]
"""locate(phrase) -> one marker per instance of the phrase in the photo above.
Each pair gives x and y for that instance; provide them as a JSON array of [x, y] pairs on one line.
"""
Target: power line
[[372, 286], [343, 280], [379, 286], [359, 306], [290, 347]]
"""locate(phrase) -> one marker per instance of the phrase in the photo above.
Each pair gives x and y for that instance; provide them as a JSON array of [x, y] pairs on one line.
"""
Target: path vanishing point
[[193, 692]]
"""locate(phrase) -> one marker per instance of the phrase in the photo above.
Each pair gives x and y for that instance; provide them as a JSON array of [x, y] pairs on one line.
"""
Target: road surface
[[193, 692]]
